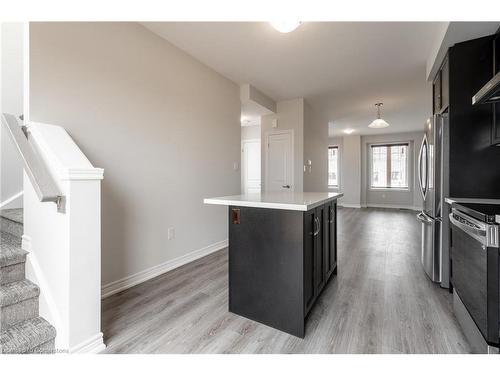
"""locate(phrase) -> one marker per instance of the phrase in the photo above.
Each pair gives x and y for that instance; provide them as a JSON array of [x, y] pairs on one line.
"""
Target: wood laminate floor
[[380, 302]]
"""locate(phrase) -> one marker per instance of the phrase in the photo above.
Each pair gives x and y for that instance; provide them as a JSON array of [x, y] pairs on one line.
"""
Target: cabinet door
[[309, 265], [445, 86], [332, 238], [436, 87], [319, 253], [495, 130]]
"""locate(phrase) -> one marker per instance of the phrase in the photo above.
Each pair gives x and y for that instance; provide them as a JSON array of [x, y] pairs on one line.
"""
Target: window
[[333, 167], [389, 166]]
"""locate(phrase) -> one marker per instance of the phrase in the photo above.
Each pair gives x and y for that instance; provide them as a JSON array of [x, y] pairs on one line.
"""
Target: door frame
[[243, 142], [266, 156]]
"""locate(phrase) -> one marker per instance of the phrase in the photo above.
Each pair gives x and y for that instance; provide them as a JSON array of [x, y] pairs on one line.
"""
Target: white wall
[[12, 85], [290, 115], [250, 132], [403, 199], [165, 127], [316, 150], [351, 171]]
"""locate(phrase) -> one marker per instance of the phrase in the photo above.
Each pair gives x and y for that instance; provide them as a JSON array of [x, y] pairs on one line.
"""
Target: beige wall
[[315, 149], [164, 127], [290, 115]]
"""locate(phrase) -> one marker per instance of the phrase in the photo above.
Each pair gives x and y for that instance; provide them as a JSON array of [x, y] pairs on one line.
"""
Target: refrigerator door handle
[[423, 190], [426, 219]]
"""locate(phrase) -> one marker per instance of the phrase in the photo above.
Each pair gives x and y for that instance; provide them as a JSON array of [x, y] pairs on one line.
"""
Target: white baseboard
[[132, 280], [16, 201], [348, 205], [395, 206], [93, 345]]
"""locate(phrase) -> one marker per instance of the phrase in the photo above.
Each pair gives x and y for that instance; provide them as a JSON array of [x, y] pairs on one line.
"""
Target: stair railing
[[43, 184]]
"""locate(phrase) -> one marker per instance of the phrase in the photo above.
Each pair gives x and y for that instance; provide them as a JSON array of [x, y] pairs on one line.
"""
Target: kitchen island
[[282, 252]]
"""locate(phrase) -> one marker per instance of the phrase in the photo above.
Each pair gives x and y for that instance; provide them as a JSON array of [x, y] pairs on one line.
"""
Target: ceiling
[[340, 68]]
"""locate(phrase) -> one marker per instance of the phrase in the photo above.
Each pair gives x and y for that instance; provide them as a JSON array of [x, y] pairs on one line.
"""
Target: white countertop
[[472, 200], [296, 201]]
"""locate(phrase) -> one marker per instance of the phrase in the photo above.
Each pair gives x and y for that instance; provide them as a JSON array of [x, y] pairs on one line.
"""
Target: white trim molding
[[93, 345], [348, 205], [147, 274], [15, 201], [394, 206]]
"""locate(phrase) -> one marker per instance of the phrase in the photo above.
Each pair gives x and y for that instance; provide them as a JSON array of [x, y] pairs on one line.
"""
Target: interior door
[[250, 166], [279, 162]]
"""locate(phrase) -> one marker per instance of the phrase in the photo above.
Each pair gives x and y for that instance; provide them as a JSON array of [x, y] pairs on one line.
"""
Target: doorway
[[250, 166], [279, 161]]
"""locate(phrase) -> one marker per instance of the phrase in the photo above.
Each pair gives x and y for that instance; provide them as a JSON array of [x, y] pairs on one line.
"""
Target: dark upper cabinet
[[495, 129], [445, 85], [441, 89], [436, 93], [474, 171]]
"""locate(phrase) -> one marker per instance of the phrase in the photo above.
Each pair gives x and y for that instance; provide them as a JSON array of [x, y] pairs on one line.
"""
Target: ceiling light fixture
[[378, 123], [285, 26], [348, 131]]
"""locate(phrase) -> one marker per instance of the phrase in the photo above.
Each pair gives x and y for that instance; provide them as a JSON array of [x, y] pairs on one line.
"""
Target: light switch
[[236, 165]]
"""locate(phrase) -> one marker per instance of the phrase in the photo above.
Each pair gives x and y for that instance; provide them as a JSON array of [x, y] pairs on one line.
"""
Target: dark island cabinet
[[279, 262], [320, 250]]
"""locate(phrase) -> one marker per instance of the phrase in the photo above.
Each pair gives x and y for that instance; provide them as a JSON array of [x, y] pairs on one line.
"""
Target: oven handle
[[478, 234]]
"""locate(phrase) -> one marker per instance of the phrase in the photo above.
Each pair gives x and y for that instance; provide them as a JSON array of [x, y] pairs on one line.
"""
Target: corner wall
[[315, 150], [165, 127]]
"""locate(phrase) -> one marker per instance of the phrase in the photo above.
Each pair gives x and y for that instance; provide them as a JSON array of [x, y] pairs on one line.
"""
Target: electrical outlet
[[170, 233]]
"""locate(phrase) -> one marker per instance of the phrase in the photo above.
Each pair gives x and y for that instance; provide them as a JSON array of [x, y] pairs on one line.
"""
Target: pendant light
[[378, 123]]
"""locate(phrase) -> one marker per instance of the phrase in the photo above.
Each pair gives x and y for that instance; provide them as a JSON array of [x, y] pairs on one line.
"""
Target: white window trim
[[339, 165], [409, 161]]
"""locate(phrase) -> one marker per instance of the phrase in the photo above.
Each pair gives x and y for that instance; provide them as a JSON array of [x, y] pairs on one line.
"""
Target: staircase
[[21, 329]]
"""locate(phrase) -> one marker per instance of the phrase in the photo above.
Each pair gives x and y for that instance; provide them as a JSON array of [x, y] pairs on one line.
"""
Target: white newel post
[[65, 247]]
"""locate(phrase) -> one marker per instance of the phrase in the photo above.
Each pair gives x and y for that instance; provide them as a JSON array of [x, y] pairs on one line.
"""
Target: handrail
[[37, 172]]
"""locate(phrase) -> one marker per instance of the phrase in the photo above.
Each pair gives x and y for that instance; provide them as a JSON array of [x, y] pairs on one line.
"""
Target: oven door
[[475, 271]]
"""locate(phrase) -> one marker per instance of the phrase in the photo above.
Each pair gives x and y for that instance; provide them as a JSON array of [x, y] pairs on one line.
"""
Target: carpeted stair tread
[[13, 214], [11, 221], [25, 336], [10, 250], [17, 292]]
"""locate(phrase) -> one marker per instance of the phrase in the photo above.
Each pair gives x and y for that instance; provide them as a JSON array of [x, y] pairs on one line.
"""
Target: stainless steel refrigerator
[[432, 176]]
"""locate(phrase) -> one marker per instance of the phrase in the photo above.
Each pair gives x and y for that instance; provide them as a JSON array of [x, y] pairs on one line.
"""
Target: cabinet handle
[[316, 221]]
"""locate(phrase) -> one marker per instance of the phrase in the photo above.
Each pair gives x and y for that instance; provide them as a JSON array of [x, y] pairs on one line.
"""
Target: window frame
[[409, 161], [339, 155]]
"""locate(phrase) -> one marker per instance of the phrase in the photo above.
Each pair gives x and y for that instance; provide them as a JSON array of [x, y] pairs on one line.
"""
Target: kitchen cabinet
[[495, 129], [436, 93], [441, 88], [281, 257], [320, 250]]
